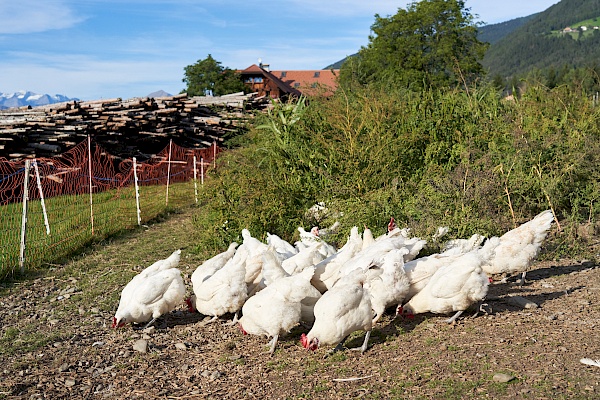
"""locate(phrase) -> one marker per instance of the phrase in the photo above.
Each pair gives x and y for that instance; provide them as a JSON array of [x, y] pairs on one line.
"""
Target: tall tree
[[208, 76], [432, 43]]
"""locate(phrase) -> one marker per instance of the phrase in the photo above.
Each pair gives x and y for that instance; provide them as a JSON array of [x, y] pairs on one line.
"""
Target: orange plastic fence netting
[[61, 213]]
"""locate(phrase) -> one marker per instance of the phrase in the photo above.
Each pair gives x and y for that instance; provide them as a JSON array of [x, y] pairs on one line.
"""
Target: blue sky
[[93, 49]]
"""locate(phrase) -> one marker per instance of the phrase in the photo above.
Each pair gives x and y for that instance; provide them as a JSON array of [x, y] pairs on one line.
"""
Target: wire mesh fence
[[50, 207]]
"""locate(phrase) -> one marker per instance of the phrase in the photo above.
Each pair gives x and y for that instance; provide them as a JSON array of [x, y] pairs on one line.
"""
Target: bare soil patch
[[56, 341]]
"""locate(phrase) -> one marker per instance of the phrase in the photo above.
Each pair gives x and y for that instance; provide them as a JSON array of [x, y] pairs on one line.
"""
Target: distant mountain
[[494, 32], [338, 64], [26, 98], [564, 35], [160, 93]]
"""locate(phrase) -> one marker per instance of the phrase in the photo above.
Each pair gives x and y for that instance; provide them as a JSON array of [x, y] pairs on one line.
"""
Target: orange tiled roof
[[308, 81]]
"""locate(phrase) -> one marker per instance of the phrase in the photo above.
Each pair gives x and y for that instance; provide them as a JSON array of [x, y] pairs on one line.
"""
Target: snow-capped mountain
[[26, 98]]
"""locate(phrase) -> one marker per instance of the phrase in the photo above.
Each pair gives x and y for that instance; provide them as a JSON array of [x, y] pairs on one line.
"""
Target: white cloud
[[29, 16]]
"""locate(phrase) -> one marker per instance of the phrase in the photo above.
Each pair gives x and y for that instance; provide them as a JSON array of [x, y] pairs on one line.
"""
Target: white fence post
[[24, 216], [90, 183], [39, 185], [169, 172], [195, 181], [202, 171], [137, 192]]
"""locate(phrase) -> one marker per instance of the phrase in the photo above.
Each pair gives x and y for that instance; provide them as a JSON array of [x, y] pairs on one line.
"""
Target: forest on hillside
[[534, 46]]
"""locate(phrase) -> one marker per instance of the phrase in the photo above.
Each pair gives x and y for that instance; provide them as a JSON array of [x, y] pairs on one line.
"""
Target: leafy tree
[[209, 77], [433, 43]]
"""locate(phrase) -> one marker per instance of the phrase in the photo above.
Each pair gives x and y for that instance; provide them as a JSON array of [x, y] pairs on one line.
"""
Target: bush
[[468, 160]]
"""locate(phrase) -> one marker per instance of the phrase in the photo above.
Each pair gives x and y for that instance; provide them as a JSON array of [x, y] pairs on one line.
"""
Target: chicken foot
[[210, 321], [149, 324], [365, 344], [233, 321]]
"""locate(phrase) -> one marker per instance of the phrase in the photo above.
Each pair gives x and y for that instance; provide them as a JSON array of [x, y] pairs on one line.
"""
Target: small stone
[[205, 373], [69, 382], [181, 346], [149, 330], [145, 336], [64, 367], [141, 345], [215, 375], [522, 302], [95, 310], [502, 378], [97, 344], [547, 285]]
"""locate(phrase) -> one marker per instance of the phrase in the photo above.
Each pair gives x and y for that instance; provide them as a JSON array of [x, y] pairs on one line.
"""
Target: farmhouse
[[283, 84]]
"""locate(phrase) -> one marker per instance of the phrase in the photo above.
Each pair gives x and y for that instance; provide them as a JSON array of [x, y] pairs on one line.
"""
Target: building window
[[317, 74], [296, 85], [258, 79], [283, 74]]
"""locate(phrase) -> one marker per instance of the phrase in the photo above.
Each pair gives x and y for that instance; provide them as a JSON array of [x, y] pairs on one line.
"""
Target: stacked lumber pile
[[137, 127]]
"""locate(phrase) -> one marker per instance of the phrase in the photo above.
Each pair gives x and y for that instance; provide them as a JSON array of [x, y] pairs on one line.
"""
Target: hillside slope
[[539, 43]]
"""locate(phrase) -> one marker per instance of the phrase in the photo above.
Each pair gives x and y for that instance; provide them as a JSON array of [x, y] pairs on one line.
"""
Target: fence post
[[215, 154], [24, 216], [195, 181], [90, 182], [169, 172], [202, 171], [39, 185], [137, 192]]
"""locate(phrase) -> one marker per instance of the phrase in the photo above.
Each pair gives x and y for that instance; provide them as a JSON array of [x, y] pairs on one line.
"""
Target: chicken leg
[[365, 344], [523, 278], [273, 342], [454, 317]]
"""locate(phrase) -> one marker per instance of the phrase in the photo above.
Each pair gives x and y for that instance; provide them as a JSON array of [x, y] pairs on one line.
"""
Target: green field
[[70, 223]]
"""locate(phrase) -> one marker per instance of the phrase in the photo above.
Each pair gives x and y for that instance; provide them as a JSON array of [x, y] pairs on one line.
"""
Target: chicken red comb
[[188, 301], [114, 324], [242, 329], [304, 340], [392, 225]]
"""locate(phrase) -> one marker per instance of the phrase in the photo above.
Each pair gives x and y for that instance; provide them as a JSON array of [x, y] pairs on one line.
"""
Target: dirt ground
[[56, 341]]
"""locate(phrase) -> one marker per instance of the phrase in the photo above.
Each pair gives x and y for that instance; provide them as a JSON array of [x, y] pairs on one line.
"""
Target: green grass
[[69, 219]]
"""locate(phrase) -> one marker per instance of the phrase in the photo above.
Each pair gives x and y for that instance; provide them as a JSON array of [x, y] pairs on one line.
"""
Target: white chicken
[[452, 288], [213, 264], [343, 309], [514, 251], [327, 271], [307, 257], [223, 292], [276, 309], [367, 238], [388, 284], [282, 247], [155, 291], [273, 271], [461, 246], [374, 254], [420, 270], [308, 239]]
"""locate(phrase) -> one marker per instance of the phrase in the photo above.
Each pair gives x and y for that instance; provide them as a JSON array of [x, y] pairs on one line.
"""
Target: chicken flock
[[273, 287]]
